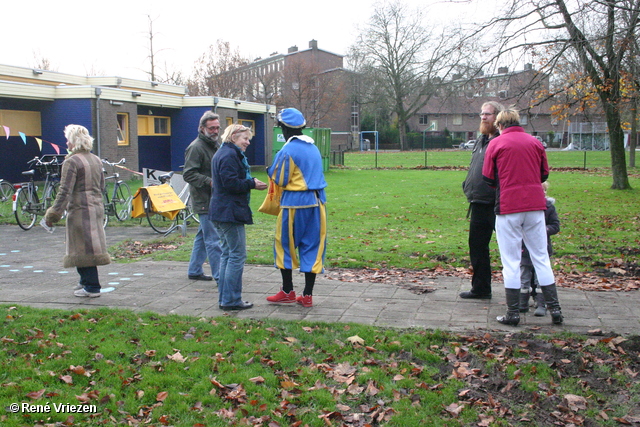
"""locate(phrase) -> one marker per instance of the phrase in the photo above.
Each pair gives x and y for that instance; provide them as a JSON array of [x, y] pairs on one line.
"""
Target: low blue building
[[148, 123]]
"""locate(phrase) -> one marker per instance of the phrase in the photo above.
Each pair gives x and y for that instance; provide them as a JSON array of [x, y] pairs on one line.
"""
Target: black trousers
[[89, 278], [483, 222]]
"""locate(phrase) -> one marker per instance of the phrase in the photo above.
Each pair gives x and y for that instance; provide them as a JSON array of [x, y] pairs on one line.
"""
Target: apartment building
[[312, 80], [458, 102]]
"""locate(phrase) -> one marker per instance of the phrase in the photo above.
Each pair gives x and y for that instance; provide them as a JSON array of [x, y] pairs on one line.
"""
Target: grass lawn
[[144, 369], [147, 369]]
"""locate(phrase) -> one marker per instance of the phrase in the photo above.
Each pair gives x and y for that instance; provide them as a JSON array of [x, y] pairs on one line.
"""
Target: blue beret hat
[[290, 117]]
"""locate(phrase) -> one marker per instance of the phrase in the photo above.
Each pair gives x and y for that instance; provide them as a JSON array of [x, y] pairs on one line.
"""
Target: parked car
[[468, 145], [544, 144]]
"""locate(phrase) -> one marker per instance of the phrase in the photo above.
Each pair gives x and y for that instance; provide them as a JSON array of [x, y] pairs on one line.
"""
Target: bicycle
[[26, 200], [6, 194], [119, 203], [163, 225]]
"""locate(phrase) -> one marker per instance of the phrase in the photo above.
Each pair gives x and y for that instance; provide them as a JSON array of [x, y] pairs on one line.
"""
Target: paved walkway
[[31, 274]]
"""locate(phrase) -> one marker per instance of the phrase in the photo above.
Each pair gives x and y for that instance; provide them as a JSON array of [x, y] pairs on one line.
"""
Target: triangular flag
[[24, 137], [55, 147], [7, 131], [39, 143]]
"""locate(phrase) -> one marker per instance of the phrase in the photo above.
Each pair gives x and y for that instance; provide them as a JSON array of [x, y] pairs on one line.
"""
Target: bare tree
[[212, 72], [41, 62], [152, 52], [403, 60], [601, 33], [266, 88]]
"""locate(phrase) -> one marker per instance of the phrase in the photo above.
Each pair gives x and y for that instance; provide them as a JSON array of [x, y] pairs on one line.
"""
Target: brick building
[[312, 80], [458, 102]]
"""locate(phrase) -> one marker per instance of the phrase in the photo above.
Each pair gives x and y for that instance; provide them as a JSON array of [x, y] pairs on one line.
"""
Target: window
[[423, 119], [457, 119], [247, 123], [27, 122], [123, 128], [154, 125], [524, 120]]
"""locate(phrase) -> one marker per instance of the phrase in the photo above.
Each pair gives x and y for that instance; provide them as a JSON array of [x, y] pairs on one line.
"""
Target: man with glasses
[[481, 199], [197, 172]]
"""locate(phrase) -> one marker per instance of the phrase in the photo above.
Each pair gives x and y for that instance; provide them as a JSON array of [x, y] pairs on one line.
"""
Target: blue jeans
[[89, 278], [233, 242], [205, 245]]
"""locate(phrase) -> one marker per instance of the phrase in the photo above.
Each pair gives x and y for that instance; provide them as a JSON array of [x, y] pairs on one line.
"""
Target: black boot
[[553, 305], [524, 300], [513, 314]]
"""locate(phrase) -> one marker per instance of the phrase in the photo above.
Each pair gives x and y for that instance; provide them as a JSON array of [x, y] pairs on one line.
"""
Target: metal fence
[[435, 159]]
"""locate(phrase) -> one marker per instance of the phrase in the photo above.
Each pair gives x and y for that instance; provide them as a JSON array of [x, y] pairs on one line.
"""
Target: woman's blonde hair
[[508, 117], [235, 128], [79, 137]]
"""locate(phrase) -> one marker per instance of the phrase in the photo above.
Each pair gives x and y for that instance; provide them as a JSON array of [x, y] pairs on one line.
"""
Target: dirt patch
[[505, 389]]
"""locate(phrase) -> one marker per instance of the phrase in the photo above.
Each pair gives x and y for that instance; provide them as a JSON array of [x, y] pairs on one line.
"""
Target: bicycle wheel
[[107, 204], [6, 200], [25, 219], [159, 223], [52, 192], [122, 201], [188, 212], [6, 191]]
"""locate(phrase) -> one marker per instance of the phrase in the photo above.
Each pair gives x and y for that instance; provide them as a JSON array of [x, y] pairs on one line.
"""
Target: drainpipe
[[267, 160], [98, 93], [216, 100]]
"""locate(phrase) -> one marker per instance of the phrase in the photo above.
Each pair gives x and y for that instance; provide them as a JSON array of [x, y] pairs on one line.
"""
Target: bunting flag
[[55, 147]]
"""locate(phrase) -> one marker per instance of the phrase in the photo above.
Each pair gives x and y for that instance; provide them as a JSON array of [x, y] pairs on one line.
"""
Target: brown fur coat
[[80, 194]]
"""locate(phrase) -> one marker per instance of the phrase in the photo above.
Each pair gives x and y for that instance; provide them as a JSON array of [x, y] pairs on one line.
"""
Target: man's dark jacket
[[474, 186]]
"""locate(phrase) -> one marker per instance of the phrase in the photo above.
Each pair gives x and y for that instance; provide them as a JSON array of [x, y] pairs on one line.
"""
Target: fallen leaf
[[355, 340], [177, 357], [575, 403], [35, 394]]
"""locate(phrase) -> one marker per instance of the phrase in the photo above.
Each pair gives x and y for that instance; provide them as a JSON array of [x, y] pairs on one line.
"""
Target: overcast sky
[[111, 38]]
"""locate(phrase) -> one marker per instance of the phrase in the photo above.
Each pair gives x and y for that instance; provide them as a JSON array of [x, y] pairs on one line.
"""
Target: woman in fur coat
[[80, 194]]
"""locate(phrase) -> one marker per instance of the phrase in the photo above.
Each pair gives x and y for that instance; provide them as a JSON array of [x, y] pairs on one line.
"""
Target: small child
[[528, 279]]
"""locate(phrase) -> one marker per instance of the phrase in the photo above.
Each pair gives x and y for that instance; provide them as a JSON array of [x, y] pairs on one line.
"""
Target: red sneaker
[[305, 300], [282, 296]]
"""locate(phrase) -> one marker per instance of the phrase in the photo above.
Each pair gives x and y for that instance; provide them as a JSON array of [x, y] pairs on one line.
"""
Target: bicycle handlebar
[[121, 162], [38, 162]]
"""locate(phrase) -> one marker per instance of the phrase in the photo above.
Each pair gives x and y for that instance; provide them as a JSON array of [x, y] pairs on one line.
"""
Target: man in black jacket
[[481, 199], [197, 172]]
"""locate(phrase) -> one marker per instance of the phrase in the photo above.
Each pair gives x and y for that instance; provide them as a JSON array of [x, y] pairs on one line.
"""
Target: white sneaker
[[78, 286], [83, 293]]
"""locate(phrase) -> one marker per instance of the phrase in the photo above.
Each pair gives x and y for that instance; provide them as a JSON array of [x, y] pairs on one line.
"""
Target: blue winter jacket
[[232, 184]]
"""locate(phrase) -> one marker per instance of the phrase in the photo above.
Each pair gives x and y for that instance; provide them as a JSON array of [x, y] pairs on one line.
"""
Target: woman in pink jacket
[[516, 165]]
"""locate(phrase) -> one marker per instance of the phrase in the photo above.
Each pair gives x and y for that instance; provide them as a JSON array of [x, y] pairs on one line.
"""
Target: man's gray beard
[[213, 138]]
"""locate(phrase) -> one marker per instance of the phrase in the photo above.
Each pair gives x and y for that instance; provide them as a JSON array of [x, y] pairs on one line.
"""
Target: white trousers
[[511, 231]]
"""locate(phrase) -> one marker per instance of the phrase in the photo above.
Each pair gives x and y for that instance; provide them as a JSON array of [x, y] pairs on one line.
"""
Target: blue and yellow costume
[[302, 223]]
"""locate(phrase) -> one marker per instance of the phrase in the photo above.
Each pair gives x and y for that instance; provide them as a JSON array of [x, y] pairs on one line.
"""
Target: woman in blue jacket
[[229, 211]]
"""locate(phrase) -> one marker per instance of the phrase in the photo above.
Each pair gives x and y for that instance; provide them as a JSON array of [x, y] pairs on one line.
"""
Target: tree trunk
[[633, 137], [403, 136], [616, 141]]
